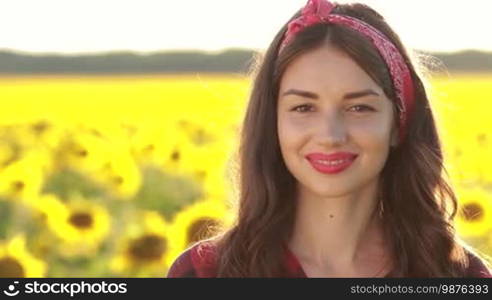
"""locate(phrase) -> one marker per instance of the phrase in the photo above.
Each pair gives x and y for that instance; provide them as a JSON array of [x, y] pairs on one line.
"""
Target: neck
[[340, 235]]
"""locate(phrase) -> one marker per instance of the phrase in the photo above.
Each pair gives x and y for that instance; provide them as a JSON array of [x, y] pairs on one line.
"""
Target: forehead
[[326, 69]]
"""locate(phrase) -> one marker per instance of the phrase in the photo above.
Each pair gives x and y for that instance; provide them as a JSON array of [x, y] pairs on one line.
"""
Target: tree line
[[227, 61]]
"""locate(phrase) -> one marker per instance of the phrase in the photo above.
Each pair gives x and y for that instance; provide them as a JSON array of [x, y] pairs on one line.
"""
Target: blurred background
[[119, 123]]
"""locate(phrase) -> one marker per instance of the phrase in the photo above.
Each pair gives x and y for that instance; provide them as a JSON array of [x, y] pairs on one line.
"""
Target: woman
[[341, 163]]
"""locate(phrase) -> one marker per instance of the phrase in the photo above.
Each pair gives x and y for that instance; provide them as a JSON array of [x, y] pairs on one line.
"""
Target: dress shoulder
[[198, 261], [477, 267]]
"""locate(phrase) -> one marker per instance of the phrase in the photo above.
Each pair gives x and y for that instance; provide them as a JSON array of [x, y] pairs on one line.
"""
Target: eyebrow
[[348, 96]]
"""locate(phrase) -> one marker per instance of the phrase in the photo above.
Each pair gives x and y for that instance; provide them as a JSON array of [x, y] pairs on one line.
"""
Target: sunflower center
[[18, 185], [472, 212], [10, 267], [149, 148], [118, 180], [40, 127], [200, 137], [201, 174], [482, 138], [81, 220], [82, 152], [202, 229], [148, 247], [175, 155]]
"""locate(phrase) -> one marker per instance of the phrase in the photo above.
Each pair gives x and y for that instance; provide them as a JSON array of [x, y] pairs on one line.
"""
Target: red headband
[[319, 11]]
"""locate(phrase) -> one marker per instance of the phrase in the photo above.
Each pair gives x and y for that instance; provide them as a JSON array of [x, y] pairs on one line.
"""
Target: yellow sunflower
[[153, 143], [81, 224], [199, 132], [49, 209], [22, 180], [484, 141], [208, 167], [38, 133], [180, 153], [84, 151], [6, 152], [144, 247], [47, 132], [198, 221], [460, 151], [216, 186], [17, 262], [121, 175], [475, 212]]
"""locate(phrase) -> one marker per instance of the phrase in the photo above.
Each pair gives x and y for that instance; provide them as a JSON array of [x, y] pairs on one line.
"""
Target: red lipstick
[[331, 163]]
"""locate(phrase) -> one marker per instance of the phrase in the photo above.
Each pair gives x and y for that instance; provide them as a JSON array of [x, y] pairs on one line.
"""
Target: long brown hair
[[419, 205]]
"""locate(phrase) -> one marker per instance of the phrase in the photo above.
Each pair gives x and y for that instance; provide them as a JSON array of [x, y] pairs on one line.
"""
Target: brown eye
[[362, 108], [301, 108]]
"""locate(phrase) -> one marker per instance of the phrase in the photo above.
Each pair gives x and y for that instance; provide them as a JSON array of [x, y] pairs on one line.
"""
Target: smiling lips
[[332, 163]]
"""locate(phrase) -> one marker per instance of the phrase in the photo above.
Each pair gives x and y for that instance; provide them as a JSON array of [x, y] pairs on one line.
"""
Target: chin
[[331, 189]]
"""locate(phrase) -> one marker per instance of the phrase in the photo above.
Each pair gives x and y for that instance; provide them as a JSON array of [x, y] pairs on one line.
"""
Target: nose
[[332, 130]]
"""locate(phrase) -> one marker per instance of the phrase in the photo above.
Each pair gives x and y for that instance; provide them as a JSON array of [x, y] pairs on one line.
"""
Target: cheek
[[373, 140], [291, 132], [374, 133]]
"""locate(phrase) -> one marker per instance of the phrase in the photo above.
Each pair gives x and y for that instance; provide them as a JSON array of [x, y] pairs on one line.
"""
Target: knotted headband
[[319, 11]]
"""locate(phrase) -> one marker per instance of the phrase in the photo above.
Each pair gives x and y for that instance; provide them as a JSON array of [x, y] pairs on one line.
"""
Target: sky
[[88, 26]]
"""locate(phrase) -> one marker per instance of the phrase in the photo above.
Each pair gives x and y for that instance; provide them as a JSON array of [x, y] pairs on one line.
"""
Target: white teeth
[[332, 162]]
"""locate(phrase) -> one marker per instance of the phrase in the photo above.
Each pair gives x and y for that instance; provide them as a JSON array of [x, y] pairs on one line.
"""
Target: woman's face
[[327, 104]]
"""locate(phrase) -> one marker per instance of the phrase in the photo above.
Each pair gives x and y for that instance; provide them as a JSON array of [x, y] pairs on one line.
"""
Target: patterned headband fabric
[[319, 11]]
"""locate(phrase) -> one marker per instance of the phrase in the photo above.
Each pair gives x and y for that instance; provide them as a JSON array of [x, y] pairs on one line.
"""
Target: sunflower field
[[114, 176]]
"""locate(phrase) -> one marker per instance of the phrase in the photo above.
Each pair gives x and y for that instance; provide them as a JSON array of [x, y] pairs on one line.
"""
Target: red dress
[[198, 261]]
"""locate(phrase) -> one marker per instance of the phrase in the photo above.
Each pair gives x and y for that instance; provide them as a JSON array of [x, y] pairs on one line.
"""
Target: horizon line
[[192, 50]]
